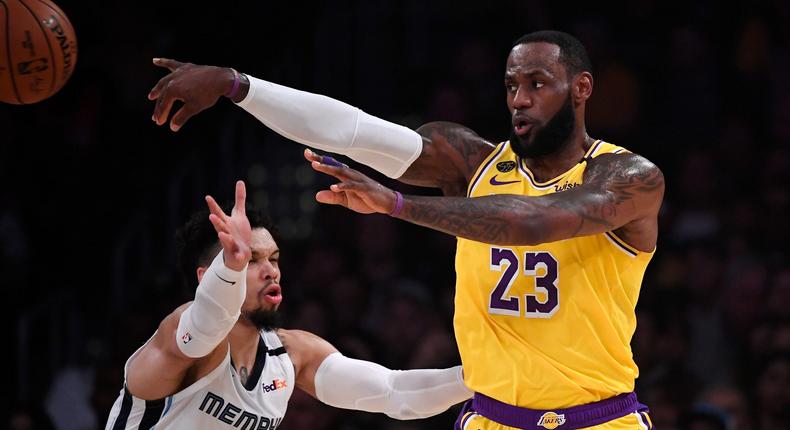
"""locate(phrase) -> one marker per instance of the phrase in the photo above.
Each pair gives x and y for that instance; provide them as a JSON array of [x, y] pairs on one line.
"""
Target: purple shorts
[[575, 417]]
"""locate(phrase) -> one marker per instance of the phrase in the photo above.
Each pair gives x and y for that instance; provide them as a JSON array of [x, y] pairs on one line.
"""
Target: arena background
[[92, 191]]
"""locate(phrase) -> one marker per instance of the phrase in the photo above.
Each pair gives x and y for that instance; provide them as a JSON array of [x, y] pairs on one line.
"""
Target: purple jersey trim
[[575, 417]]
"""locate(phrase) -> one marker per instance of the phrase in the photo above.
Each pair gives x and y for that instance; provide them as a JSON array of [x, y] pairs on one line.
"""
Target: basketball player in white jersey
[[218, 362]]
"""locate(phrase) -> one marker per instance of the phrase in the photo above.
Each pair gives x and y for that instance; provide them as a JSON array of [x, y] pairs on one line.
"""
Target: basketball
[[38, 50]]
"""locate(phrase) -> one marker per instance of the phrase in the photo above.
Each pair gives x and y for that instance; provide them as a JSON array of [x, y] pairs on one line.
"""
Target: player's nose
[[522, 98], [269, 271]]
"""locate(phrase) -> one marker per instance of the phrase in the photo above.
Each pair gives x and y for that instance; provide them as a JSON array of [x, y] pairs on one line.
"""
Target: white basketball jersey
[[218, 400]]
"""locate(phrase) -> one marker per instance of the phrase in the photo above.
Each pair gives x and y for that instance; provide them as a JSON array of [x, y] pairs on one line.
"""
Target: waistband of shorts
[[575, 417]]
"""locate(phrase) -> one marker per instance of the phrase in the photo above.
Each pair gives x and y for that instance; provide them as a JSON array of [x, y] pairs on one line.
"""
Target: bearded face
[[541, 141]]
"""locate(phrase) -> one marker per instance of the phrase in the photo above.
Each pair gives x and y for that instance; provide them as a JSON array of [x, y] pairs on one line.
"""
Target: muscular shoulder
[[304, 344], [627, 174], [305, 349], [462, 140], [450, 156], [295, 339]]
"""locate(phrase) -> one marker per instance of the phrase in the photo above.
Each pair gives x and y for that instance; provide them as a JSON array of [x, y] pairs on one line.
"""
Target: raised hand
[[233, 231], [355, 190], [199, 87]]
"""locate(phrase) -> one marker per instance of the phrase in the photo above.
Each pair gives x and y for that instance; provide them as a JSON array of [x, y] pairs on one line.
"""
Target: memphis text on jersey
[[235, 416]]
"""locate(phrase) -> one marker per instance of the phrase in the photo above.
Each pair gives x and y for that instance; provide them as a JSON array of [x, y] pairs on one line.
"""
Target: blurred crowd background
[[92, 191]]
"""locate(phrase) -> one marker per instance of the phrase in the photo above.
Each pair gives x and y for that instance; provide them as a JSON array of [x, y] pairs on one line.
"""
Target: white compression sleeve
[[331, 125], [216, 309], [401, 394]]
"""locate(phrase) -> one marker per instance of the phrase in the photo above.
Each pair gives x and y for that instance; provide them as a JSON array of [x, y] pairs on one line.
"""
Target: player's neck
[[243, 339], [558, 162]]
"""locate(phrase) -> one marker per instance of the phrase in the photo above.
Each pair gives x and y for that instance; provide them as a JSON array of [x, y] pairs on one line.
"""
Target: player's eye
[[510, 87], [538, 84]]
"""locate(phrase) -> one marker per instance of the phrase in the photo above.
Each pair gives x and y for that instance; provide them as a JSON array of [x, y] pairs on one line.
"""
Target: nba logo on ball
[[551, 420], [38, 50]]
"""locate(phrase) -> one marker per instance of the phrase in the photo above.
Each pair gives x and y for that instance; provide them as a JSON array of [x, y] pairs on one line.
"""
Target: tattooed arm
[[621, 192], [450, 156]]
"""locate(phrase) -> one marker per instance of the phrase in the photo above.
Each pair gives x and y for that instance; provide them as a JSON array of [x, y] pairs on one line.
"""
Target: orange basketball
[[38, 50]]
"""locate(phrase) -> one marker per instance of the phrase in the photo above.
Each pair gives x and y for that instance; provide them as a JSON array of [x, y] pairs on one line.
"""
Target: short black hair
[[197, 243], [573, 55]]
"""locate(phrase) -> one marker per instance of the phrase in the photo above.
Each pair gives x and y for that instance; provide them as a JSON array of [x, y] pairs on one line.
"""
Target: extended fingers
[[344, 186], [187, 111], [331, 198], [311, 156], [340, 172], [241, 196], [323, 159], [218, 224], [168, 63], [157, 89], [162, 109], [227, 242], [214, 208], [329, 161]]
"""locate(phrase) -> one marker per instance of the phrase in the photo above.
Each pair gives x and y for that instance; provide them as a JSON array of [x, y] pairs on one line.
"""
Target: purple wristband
[[398, 204], [235, 87]]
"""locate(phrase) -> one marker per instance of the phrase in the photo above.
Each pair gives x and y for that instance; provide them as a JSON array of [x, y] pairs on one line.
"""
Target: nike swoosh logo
[[493, 181], [224, 280]]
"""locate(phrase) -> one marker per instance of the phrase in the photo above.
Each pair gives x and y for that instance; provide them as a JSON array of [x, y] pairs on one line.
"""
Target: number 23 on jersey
[[540, 266]]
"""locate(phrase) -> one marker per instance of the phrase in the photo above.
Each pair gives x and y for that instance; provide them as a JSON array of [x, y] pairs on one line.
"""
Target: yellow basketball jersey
[[546, 326]]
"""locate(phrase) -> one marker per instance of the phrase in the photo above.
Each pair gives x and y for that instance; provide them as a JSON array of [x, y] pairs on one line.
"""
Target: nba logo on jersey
[[551, 420], [186, 337]]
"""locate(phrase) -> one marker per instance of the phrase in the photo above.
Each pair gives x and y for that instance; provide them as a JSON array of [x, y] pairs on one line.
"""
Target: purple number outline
[[497, 303], [546, 283]]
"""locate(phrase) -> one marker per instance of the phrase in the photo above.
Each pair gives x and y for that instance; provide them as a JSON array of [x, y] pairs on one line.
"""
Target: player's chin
[[269, 307], [521, 144]]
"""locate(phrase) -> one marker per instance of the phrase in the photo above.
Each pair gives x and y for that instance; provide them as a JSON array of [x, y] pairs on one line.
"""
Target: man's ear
[[582, 87]]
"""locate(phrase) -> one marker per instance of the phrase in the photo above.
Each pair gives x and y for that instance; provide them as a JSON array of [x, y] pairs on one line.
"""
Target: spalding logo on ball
[[38, 50]]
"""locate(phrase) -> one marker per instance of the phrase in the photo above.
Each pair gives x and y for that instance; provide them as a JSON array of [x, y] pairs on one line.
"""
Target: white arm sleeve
[[216, 309], [330, 125], [401, 394]]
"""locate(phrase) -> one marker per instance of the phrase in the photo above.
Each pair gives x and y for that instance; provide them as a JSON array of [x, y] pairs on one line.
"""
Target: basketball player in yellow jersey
[[555, 228]]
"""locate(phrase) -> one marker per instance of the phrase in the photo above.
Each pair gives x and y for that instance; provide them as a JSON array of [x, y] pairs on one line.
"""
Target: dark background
[[92, 191]]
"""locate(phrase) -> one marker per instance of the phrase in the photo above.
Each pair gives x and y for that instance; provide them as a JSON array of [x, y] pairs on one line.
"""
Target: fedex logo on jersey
[[275, 385]]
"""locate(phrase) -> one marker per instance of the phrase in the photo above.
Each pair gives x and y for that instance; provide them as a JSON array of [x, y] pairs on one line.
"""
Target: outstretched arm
[[442, 155], [193, 334], [347, 383], [619, 190]]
